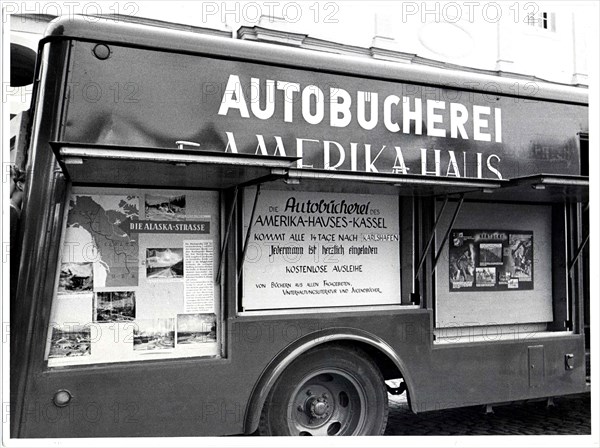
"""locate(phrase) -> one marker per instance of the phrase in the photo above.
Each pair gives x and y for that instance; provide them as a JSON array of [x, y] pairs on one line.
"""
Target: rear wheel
[[329, 391]]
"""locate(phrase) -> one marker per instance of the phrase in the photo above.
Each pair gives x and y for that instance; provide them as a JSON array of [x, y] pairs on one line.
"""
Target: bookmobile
[[220, 237]]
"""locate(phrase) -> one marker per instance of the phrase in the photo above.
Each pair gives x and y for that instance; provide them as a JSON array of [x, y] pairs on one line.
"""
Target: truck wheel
[[329, 391]]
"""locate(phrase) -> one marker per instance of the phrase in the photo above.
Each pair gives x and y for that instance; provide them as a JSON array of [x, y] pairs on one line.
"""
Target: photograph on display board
[[154, 334], [117, 306], [495, 260], [485, 276], [521, 256], [70, 341], [163, 263], [490, 254], [76, 278], [195, 329], [462, 262], [165, 208], [513, 283]]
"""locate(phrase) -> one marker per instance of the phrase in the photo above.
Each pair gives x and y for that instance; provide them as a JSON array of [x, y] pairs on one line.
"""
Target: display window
[[136, 280], [316, 249], [496, 267]]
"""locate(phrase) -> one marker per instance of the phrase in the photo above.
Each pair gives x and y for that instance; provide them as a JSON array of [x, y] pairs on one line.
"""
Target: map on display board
[[136, 278], [102, 222]]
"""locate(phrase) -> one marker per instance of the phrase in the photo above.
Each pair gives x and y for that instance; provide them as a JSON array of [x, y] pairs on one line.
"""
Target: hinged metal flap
[[545, 188], [401, 184], [182, 168]]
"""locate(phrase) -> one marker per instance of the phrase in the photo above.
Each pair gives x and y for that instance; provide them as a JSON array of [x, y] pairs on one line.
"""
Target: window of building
[[542, 20]]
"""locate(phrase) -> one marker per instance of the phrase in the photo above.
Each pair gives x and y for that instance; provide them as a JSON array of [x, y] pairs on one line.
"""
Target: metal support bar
[[226, 239], [431, 237], [245, 247], [437, 256], [274, 175], [578, 253]]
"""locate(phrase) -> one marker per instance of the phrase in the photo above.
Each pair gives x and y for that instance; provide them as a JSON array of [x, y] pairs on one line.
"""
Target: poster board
[[496, 304], [490, 260], [137, 277], [313, 249]]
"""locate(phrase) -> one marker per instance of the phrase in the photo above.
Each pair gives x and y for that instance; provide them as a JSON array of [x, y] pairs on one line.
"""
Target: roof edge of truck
[[77, 27]]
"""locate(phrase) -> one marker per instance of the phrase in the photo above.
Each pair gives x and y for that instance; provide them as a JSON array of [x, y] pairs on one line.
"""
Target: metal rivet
[[62, 398], [101, 51]]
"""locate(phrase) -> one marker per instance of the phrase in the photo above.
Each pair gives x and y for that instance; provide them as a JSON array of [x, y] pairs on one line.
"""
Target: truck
[[222, 237]]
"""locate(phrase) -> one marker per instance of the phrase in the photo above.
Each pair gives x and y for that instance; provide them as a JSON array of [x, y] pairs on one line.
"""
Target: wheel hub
[[318, 407], [328, 403]]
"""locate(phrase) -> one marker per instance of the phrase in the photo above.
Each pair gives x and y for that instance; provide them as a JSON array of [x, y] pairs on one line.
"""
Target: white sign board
[[136, 277], [311, 249]]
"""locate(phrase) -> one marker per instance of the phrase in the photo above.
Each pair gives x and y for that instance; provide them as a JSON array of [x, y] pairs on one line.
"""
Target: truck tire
[[331, 390]]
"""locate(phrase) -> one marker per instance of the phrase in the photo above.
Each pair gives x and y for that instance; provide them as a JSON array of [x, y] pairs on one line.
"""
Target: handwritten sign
[[321, 250]]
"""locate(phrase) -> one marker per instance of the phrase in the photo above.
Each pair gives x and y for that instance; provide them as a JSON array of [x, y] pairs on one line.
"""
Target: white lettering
[[458, 117], [479, 123], [364, 97], [437, 170], [279, 148], [353, 156], [337, 108], [300, 151], [498, 124], [362, 108], [327, 155], [262, 147], [229, 102], [231, 143], [387, 113], [399, 165], [289, 88], [307, 93], [269, 99], [452, 164], [414, 115], [433, 118], [492, 168], [369, 163]]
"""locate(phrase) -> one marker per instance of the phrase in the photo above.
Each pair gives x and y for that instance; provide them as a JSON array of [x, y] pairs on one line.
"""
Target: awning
[[89, 164], [387, 183], [544, 188]]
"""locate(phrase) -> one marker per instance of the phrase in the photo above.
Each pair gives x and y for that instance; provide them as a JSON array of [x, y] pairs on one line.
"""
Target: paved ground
[[570, 415]]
